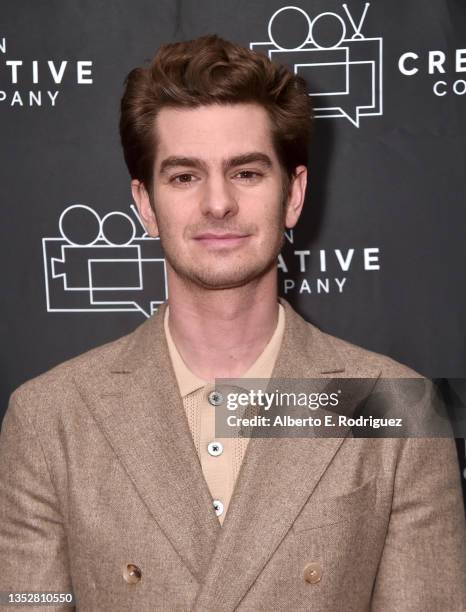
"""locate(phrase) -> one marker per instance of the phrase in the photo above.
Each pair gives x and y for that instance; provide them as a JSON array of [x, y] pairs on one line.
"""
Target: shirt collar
[[261, 368]]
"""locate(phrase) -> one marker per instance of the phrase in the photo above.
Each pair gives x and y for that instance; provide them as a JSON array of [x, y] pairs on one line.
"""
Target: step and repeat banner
[[378, 257]]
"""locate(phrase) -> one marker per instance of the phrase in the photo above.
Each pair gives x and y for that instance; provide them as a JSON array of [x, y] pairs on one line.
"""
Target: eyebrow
[[233, 162]]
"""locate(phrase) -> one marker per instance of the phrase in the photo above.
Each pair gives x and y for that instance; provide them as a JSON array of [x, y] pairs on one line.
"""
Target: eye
[[249, 175], [182, 179]]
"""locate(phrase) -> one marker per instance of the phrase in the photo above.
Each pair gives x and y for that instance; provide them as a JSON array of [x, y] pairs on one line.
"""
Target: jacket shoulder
[[334, 354], [58, 379], [360, 361]]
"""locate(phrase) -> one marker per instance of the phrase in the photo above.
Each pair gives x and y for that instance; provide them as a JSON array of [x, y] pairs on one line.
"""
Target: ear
[[146, 213], [296, 195]]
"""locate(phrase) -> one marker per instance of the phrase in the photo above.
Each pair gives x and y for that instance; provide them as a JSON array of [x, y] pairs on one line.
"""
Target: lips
[[212, 239], [211, 235]]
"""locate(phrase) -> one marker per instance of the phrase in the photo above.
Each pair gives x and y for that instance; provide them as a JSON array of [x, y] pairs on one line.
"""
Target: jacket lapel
[[277, 477], [139, 409]]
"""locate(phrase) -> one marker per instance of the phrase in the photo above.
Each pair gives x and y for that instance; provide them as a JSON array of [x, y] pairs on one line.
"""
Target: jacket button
[[132, 574], [312, 572]]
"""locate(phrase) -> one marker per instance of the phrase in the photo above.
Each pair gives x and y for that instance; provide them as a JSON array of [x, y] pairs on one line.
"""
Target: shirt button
[[215, 398], [312, 572], [132, 574], [215, 448], [218, 506]]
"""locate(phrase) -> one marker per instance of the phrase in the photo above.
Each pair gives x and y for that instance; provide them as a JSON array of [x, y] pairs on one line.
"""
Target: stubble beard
[[236, 273]]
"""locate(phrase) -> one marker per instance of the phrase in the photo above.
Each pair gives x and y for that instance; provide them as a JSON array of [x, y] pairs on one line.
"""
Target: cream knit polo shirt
[[220, 458]]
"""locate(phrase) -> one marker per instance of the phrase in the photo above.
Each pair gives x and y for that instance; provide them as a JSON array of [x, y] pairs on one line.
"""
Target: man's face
[[218, 194]]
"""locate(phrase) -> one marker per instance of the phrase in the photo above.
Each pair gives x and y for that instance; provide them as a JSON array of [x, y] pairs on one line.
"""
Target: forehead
[[213, 132]]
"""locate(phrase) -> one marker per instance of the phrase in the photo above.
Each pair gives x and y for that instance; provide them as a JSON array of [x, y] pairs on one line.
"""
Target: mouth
[[210, 239]]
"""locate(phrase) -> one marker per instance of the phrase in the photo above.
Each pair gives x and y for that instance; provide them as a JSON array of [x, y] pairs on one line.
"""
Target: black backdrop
[[378, 256]]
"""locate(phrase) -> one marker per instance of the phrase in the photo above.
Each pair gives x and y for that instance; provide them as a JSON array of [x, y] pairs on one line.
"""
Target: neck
[[220, 333]]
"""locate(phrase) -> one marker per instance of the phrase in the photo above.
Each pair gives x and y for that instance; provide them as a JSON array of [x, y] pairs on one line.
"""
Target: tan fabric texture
[[99, 474], [220, 471]]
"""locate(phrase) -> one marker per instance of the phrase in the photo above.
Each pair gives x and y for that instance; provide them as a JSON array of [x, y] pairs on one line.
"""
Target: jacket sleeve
[[33, 548], [423, 565]]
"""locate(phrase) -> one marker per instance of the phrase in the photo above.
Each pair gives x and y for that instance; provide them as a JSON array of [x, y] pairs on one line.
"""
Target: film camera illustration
[[343, 68], [102, 265]]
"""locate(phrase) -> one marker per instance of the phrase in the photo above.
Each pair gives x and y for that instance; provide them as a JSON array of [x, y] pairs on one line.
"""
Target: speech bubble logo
[[100, 264], [343, 68]]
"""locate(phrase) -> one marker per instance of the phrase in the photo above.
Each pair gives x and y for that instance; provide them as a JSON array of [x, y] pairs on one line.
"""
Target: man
[[113, 482]]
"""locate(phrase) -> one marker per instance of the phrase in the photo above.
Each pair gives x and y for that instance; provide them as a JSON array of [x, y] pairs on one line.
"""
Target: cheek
[[175, 227], [168, 213], [270, 213]]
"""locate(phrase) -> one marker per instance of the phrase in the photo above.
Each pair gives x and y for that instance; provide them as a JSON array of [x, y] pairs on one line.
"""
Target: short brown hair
[[211, 70]]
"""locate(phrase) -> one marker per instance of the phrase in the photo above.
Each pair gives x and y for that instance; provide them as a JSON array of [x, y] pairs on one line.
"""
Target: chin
[[228, 279]]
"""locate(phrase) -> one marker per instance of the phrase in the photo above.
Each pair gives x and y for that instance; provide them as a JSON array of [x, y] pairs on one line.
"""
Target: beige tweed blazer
[[102, 494]]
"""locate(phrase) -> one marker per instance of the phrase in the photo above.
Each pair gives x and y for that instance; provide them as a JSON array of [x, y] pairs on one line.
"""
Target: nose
[[218, 199]]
